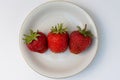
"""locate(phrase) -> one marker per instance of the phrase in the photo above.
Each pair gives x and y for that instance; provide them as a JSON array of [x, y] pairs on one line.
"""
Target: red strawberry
[[58, 39], [80, 40], [36, 41]]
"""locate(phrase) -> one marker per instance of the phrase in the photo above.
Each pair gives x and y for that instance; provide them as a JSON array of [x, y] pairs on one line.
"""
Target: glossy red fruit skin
[[39, 45], [78, 42], [58, 42]]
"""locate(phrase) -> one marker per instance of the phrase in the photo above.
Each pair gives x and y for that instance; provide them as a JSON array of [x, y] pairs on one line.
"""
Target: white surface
[[58, 65], [106, 65]]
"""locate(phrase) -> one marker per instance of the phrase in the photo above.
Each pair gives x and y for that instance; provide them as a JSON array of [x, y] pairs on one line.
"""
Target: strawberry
[[80, 40], [58, 39], [36, 41]]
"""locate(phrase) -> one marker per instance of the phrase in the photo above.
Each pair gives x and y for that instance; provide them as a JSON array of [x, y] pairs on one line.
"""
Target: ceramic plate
[[58, 65]]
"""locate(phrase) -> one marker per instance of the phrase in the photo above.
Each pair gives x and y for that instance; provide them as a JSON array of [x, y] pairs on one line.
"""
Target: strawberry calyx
[[58, 29], [32, 36], [84, 31]]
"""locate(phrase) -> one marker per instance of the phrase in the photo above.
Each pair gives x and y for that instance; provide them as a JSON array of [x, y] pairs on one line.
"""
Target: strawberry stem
[[32, 36], [84, 31], [85, 27], [58, 29]]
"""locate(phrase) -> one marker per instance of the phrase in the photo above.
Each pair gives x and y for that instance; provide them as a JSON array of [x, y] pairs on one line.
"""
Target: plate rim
[[71, 3]]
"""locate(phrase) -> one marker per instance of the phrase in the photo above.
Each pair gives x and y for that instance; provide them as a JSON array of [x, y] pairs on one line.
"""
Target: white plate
[[58, 65]]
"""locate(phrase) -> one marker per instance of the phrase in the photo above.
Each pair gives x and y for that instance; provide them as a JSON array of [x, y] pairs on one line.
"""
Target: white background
[[105, 13]]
